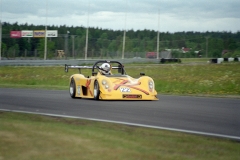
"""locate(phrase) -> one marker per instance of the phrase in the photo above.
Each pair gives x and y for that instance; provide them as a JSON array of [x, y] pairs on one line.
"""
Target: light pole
[[73, 46], [66, 44], [1, 31], [158, 37], [86, 46], [0, 39], [206, 47], [124, 34], [45, 45]]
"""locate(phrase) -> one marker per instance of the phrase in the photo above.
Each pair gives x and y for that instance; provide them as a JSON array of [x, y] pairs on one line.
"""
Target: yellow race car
[[109, 81]]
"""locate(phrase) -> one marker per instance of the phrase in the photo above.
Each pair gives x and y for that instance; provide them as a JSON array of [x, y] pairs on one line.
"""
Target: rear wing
[[76, 67], [119, 66]]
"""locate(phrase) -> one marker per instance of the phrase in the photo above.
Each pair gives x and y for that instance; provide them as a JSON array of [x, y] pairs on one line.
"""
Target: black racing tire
[[96, 91], [72, 88]]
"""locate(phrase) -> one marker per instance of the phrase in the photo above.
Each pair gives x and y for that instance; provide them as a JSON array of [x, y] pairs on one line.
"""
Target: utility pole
[[0, 39], [86, 46], [66, 44], [124, 34], [158, 37], [73, 46], [45, 45], [206, 47], [1, 31]]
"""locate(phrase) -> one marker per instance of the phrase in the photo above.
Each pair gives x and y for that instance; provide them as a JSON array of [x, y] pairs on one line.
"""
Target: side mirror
[[142, 74], [120, 69]]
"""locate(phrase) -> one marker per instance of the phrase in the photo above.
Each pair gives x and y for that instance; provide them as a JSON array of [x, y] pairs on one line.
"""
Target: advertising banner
[[39, 33], [36, 33], [15, 34], [27, 33], [52, 33]]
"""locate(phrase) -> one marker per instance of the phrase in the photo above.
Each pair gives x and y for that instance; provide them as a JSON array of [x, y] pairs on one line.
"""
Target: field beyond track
[[27, 137], [179, 79]]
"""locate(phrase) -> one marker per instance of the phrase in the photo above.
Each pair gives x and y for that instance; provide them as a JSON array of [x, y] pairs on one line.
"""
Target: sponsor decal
[[135, 96], [78, 90], [27, 33], [15, 34], [39, 33], [125, 89]]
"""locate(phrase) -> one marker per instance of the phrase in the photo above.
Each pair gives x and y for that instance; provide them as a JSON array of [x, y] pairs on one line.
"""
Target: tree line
[[108, 42]]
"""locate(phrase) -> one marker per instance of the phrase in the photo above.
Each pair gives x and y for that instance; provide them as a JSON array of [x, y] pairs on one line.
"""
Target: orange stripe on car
[[118, 85], [87, 85]]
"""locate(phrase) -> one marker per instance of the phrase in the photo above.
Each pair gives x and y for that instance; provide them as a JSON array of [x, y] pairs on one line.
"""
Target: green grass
[[28, 137], [188, 79], [25, 136]]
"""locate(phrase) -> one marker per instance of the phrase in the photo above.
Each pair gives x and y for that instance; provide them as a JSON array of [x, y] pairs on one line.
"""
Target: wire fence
[[73, 47], [60, 54]]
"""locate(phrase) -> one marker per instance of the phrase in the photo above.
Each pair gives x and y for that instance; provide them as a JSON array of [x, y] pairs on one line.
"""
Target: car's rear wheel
[[72, 88], [96, 90]]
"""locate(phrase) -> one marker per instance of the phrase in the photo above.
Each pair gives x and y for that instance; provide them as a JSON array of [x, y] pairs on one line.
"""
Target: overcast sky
[[172, 15]]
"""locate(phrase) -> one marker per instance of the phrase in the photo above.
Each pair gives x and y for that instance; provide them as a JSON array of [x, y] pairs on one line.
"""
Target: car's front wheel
[[96, 90], [72, 88]]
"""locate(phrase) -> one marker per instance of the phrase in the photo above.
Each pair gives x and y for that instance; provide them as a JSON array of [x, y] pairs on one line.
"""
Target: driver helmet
[[105, 68]]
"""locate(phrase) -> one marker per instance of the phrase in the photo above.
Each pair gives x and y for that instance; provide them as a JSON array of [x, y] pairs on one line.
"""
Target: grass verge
[[26, 136], [188, 79]]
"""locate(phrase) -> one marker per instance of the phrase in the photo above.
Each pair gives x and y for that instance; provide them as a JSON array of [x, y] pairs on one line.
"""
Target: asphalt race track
[[213, 116]]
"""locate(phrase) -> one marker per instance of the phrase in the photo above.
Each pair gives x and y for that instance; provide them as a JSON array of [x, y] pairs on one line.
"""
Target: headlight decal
[[151, 85], [105, 84]]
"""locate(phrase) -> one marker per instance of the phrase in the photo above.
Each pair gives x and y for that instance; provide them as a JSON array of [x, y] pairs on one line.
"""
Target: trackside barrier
[[72, 62], [220, 60], [170, 60]]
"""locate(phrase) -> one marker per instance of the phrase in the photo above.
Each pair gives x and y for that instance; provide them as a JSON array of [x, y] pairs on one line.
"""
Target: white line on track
[[131, 124]]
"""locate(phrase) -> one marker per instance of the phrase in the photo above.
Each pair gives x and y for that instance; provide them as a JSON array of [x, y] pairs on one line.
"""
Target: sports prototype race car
[[109, 81]]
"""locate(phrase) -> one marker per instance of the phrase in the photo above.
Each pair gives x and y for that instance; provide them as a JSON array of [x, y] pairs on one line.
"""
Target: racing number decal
[[125, 90], [124, 83]]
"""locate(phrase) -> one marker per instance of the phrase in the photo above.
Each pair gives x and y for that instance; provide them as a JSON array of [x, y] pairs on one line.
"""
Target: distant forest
[[109, 43]]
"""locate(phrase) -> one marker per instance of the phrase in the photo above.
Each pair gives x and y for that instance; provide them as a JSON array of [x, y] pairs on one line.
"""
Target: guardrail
[[170, 60], [71, 61], [220, 60]]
